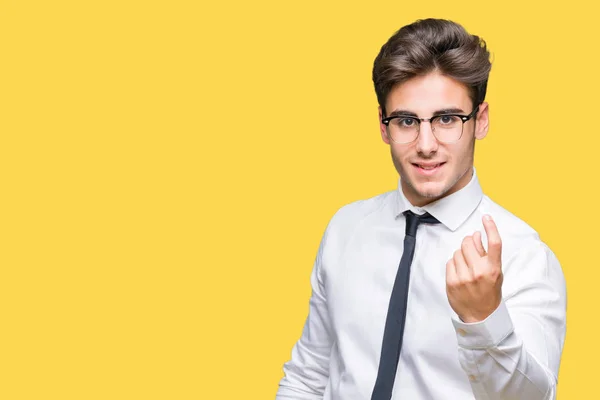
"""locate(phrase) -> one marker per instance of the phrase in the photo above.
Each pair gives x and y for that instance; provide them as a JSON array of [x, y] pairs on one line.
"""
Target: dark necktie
[[394, 324]]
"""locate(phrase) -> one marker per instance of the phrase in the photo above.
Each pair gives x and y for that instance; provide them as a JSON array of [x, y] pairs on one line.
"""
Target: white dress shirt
[[513, 354]]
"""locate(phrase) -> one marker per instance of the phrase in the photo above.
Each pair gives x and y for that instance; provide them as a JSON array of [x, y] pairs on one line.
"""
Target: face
[[429, 169]]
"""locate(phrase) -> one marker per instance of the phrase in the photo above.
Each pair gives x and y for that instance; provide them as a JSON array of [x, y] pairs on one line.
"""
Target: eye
[[406, 122], [448, 119]]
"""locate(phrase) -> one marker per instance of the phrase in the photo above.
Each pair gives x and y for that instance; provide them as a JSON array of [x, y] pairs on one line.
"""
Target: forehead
[[428, 93]]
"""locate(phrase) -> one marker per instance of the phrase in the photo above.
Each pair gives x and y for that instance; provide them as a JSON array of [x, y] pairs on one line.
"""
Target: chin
[[431, 194], [430, 190]]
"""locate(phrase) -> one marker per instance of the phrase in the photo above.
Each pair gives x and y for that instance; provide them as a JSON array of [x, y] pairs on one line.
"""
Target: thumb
[[494, 240]]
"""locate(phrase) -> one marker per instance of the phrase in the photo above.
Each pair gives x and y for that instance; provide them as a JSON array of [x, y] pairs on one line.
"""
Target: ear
[[383, 128], [482, 122]]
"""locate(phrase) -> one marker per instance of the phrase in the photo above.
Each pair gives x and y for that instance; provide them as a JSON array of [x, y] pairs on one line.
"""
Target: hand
[[474, 277]]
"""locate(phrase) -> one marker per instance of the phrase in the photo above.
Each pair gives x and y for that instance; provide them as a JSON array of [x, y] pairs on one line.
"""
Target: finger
[[451, 277], [478, 243], [463, 271], [469, 252], [494, 241]]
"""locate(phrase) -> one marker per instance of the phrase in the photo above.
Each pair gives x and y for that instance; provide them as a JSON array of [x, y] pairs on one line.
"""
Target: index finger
[[479, 244], [470, 252]]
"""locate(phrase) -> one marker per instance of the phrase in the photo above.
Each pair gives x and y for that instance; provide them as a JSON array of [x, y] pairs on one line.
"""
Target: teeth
[[427, 168]]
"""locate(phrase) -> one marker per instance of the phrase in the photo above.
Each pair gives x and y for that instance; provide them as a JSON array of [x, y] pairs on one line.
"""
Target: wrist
[[478, 316]]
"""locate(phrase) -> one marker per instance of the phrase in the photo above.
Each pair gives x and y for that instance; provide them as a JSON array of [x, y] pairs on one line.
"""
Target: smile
[[428, 169]]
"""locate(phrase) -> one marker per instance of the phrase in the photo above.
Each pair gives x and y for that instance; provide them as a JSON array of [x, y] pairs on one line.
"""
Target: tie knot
[[413, 220]]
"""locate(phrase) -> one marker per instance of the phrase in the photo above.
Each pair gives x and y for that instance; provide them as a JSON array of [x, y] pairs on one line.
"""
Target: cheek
[[462, 153], [398, 152]]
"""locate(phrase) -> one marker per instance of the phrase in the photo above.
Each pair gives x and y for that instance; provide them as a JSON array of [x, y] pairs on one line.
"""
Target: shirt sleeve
[[515, 352], [307, 372]]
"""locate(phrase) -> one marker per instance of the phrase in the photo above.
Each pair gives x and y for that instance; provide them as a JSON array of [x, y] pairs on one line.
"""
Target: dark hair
[[429, 45]]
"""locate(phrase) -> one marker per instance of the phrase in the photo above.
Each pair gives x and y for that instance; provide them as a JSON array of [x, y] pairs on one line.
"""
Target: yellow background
[[167, 170]]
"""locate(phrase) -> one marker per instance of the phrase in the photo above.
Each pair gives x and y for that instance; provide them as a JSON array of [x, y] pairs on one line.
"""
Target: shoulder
[[525, 255], [514, 231], [352, 214], [350, 217]]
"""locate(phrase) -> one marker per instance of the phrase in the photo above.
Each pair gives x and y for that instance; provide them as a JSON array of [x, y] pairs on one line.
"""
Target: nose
[[426, 144]]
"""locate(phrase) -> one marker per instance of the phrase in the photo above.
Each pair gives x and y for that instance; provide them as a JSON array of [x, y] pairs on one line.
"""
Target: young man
[[432, 291]]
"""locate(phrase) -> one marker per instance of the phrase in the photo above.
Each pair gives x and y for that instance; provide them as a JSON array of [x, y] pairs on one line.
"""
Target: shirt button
[[461, 332], [472, 378]]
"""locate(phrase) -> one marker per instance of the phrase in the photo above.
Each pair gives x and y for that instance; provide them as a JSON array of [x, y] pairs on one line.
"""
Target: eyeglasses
[[447, 128]]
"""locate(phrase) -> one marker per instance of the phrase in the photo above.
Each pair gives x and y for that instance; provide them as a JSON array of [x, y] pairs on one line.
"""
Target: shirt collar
[[451, 210]]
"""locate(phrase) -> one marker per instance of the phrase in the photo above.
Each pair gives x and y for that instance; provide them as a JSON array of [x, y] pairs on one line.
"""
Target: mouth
[[428, 169]]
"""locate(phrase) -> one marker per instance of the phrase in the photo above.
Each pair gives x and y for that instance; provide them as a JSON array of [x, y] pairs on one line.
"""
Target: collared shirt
[[513, 354]]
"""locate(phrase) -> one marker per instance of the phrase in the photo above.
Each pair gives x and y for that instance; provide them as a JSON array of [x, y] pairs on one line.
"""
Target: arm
[[514, 352], [307, 373]]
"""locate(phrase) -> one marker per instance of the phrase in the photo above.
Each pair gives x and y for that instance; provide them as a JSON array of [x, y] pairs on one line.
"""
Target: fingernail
[[487, 217]]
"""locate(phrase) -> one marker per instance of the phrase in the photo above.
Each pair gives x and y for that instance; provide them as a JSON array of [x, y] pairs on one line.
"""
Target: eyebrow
[[444, 111]]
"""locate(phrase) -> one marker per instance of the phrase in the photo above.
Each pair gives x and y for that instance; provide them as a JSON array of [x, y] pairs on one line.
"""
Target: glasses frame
[[463, 118]]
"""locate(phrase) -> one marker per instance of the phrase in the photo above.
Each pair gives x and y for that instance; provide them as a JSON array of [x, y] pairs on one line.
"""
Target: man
[[431, 291]]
